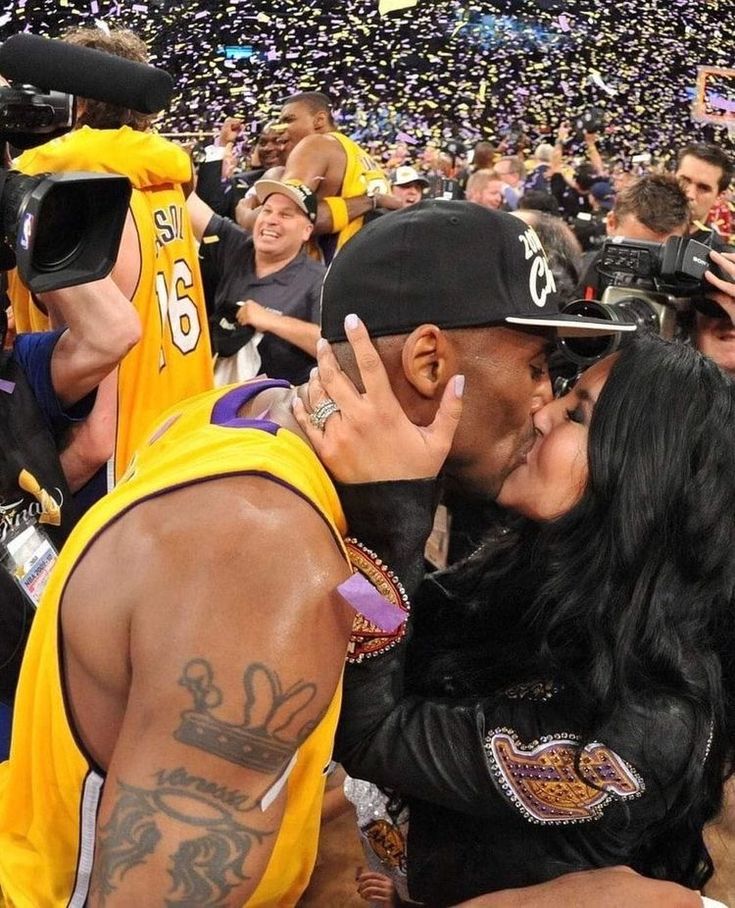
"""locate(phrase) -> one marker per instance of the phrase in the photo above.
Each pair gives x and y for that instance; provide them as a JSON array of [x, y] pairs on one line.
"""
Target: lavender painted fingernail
[[351, 322]]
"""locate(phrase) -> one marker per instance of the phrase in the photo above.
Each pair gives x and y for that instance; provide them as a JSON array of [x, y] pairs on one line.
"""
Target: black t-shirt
[[292, 291]]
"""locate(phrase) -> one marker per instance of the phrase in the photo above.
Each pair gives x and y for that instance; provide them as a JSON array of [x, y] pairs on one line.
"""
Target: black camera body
[[29, 116], [59, 230], [647, 285], [675, 267]]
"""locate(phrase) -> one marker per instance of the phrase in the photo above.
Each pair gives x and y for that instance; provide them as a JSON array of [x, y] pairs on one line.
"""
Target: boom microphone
[[84, 72]]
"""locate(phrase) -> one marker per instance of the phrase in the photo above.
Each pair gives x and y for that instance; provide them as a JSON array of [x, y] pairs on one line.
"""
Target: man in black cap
[[268, 288], [194, 733]]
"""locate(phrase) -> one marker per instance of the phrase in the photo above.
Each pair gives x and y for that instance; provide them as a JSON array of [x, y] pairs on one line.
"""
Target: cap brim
[[264, 188], [572, 325], [421, 180]]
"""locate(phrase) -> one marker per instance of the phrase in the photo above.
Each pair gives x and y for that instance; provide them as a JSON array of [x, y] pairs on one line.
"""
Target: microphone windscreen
[[84, 72]]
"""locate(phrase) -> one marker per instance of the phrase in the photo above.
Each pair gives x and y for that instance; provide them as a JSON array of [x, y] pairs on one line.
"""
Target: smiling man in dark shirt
[[267, 283]]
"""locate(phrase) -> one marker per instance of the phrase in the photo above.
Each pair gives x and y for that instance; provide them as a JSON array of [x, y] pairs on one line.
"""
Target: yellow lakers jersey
[[49, 788], [173, 359], [362, 175]]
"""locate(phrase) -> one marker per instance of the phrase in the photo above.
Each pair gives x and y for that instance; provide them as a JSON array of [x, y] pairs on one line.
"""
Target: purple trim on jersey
[[224, 412]]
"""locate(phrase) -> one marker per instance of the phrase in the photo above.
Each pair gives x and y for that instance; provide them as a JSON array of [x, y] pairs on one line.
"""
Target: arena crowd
[[367, 532]]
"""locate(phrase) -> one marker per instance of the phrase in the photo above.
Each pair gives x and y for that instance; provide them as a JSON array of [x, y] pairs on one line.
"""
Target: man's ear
[[428, 360], [611, 223]]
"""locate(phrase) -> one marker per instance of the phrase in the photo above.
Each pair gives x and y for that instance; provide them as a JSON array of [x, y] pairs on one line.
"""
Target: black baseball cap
[[227, 334], [449, 263]]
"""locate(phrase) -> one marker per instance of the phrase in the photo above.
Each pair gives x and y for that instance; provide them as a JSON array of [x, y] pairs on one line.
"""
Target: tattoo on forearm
[[205, 867], [125, 841], [212, 845], [272, 726]]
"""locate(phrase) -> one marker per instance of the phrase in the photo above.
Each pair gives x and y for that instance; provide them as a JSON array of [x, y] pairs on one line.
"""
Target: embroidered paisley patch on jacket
[[541, 780]]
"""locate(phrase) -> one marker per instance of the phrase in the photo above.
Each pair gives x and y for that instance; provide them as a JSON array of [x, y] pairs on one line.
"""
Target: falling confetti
[[431, 70]]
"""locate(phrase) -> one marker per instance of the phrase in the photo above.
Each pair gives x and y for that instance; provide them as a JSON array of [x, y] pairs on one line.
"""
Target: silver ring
[[322, 413]]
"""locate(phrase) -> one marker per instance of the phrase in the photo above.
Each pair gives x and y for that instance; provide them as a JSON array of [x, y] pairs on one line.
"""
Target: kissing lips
[[526, 450]]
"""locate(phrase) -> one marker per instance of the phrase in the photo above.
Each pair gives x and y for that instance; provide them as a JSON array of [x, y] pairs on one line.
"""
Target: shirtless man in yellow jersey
[[180, 689], [348, 183]]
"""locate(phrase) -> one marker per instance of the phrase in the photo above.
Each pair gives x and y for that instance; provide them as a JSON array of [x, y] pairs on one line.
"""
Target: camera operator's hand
[[726, 264]]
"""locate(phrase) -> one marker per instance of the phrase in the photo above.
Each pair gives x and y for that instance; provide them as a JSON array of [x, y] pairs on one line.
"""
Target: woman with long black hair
[[567, 698]]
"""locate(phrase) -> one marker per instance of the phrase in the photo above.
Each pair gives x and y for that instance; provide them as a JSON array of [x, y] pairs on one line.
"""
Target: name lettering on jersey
[[169, 225], [540, 280]]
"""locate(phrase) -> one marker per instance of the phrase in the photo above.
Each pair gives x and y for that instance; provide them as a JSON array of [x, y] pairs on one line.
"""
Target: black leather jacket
[[495, 797]]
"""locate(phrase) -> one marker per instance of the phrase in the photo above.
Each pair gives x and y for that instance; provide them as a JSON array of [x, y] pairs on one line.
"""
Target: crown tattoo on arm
[[272, 727]]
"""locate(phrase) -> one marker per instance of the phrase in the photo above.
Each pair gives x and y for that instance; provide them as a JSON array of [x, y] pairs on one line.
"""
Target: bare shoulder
[[316, 142], [316, 156], [196, 572], [226, 534]]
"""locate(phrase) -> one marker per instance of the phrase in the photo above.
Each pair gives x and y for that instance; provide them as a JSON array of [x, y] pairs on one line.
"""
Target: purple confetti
[[365, 599], [721, 103], [7, 386]]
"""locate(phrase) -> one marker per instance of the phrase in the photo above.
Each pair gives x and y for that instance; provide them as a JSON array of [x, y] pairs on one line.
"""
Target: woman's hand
[[369, 438]]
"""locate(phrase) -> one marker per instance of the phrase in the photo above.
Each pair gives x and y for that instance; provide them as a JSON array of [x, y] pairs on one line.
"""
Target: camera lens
[[587, 350], [61, 231]]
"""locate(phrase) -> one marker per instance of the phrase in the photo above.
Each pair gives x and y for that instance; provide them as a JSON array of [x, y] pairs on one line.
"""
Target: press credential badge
[[29, 557]]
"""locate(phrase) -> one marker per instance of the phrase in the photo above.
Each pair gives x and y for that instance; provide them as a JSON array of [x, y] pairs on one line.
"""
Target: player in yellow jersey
[[157, 269], [348, 182], [178, 696], [200, 728]]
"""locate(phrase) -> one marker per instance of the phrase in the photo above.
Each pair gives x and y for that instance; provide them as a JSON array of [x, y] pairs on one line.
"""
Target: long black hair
[[629, 598]]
